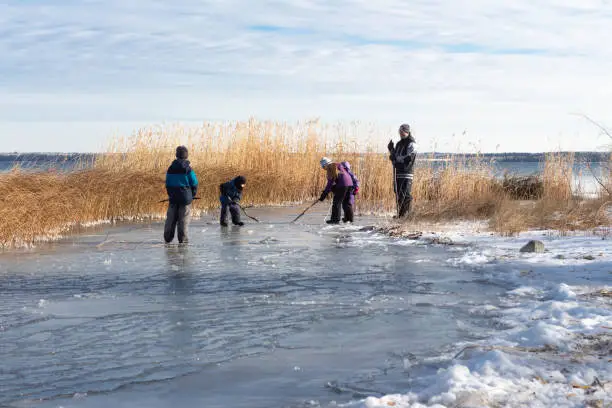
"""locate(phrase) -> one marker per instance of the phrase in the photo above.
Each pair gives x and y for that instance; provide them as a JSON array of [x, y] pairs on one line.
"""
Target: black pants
[[234, 212], [342, 201], [403, 194]]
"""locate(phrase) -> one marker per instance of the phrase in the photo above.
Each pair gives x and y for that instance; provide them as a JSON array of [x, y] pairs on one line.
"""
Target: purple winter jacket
[[347, 167], [344, 179]]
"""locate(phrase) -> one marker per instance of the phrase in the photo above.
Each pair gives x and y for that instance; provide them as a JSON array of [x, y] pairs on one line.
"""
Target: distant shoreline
[[592, 157]]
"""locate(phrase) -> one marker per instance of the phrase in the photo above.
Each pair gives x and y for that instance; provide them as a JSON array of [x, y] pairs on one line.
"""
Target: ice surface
[[117, 318], [301, 315]]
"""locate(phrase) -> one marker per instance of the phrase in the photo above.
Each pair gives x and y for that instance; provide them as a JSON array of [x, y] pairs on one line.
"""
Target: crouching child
[[338, 182], [181, 186], [230, 196]]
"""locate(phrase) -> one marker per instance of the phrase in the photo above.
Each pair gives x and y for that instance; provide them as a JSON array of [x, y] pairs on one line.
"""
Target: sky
[[484, 75]]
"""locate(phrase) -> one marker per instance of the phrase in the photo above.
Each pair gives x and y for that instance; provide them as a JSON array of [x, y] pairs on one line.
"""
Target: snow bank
[[555, 345]]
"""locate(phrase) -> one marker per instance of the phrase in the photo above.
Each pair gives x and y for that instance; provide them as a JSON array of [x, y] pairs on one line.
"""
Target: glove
[[356, 190], [390, 146], [323, 196]]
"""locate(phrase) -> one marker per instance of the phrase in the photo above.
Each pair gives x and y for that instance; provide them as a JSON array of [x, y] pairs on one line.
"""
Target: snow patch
[[553, 348]]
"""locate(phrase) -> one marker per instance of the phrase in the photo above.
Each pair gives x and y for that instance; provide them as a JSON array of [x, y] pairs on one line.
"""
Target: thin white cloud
[[511, 73]]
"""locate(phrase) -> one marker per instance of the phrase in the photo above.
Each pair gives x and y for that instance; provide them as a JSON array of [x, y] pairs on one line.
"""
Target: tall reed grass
[[606, 179], [561, 207], [281, 163], [558, 176]]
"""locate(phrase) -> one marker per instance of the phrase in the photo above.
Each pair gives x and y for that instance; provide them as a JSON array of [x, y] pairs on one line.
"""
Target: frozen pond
[[267, 315]]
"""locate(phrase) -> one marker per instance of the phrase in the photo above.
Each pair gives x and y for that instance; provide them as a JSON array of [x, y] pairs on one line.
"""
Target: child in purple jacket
[[340, 183]]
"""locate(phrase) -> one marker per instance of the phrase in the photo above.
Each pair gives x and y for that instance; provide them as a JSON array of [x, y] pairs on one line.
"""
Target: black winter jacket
[[403, 156]]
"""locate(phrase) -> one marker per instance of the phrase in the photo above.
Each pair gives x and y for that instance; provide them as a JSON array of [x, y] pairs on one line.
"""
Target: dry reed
[[560, 206], [557, 177], [280, 162]]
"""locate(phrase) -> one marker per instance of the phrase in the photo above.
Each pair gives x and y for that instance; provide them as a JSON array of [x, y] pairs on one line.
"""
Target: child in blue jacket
[[230, 195], [182, 187]]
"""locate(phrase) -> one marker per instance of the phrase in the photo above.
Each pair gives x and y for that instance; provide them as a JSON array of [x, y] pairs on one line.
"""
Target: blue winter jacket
[[229, 193], [181, 182]]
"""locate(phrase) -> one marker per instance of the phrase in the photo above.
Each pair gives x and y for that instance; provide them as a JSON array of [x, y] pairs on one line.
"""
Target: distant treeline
[[592, 157], [46, 157], [505, 157]]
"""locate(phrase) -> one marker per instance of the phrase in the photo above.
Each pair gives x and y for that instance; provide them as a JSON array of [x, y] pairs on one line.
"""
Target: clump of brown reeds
[[459, 188], [40, 206], [559, 207], [513, 217], [281, 163], [558, 176]]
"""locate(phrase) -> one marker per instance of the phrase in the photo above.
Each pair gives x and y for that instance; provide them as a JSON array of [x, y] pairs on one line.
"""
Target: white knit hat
[[324, 162]]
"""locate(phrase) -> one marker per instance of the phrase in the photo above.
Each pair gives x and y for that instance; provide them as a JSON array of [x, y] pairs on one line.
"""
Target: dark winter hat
[[182, 152], [405, 128], [239, 181]]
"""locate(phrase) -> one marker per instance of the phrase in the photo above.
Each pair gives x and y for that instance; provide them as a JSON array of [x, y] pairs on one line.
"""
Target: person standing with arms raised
[[403, 156]]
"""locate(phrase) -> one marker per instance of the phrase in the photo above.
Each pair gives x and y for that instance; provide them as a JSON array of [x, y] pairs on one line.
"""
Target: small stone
[[589, 257], [560, 256], [414, 235], [441, 241], [533, 246]]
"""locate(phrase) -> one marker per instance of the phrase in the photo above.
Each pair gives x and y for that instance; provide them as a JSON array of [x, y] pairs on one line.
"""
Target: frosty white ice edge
[[554, 344]]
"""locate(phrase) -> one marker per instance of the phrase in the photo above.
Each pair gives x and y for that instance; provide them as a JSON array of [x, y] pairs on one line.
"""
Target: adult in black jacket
[[403, 156]]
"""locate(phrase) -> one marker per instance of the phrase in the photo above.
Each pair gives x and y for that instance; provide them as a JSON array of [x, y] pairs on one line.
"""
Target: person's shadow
[[178, 259], [181, 306], [231, 235]]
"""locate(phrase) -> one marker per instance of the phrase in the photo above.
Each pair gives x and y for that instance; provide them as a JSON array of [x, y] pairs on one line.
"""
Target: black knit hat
[[239, 181], [405, 128], [182, 152]]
